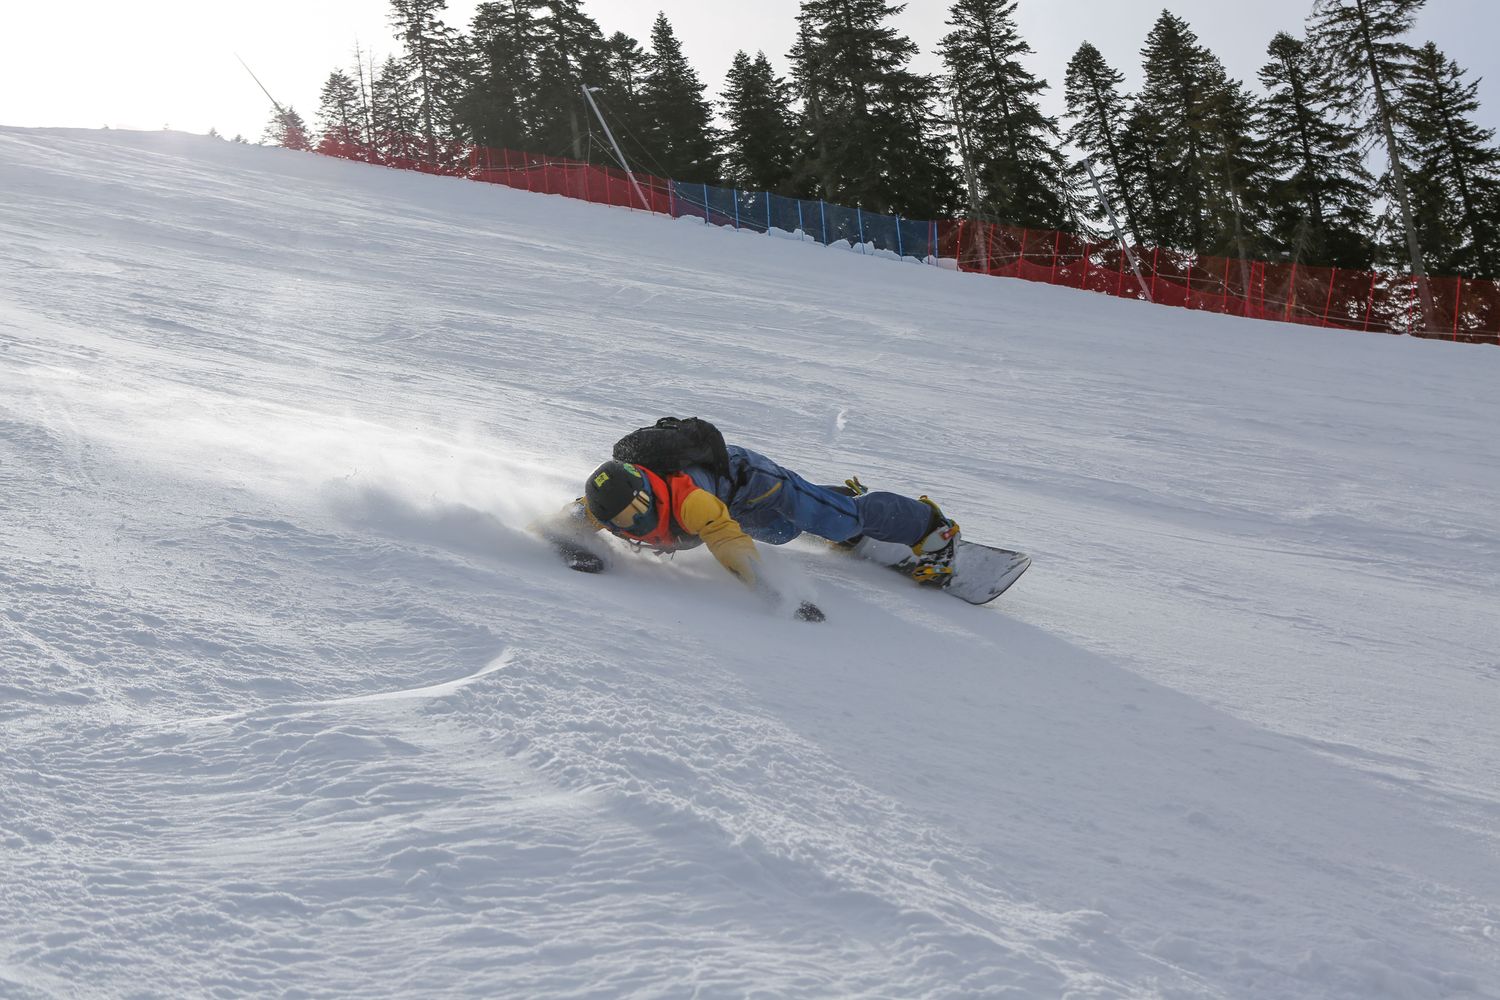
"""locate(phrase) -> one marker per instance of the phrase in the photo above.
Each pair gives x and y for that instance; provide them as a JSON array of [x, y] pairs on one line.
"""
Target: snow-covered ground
[[292, 705]]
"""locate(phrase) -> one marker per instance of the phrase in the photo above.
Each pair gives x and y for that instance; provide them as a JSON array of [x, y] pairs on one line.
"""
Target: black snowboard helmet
[[612, 487]]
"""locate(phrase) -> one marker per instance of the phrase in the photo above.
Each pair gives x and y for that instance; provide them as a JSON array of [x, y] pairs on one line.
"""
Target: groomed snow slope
[[291, 705]]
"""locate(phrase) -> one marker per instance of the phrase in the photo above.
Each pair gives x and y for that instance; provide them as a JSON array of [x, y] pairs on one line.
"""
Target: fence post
[[900, 246], [1021, 260], [736, 208], [859, 217], [1056, 247], [705, 206], [1291, 294], [823, 211], [801, 226], [1155, 262], [1458, 301], [989, 247], [527, 161], [505, 158], [1088, 255], [1370, 303], [1224, 307], [767, 196], [932, 243], [1120, 275], [1328, 306]]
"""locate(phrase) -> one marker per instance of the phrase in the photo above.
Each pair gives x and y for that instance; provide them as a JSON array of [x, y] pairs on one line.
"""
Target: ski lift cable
[[640, 147]]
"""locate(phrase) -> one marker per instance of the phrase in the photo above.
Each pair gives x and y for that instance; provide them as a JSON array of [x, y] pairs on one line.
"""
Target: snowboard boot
[[852, 488], [935, 551]]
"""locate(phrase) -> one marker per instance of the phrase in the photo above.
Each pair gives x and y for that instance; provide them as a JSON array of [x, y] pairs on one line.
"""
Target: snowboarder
[[744, 497]]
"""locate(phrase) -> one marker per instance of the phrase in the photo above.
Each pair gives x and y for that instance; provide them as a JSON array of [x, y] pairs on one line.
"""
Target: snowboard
[[981, 573]]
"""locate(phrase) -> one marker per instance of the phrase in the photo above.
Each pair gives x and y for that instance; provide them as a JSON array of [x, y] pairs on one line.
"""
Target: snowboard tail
[[981, 572]]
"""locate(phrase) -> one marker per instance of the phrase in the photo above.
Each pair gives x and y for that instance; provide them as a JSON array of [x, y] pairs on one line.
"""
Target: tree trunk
[[1398, 174]]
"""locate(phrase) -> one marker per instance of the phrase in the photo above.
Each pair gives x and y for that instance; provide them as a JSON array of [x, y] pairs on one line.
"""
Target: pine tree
[[1193, 136], [1322, 198], [1240, 196], [621, 93], [1019, 173], [628, 65], [1360, 42], [875, 138], [1167, 119], [498, 106], [394, 110], [363, 82], [340, 119], [569, 53], [1100, 113], [1455, 180], [286, 128], [761, 143], [679, 132], [437, 60]]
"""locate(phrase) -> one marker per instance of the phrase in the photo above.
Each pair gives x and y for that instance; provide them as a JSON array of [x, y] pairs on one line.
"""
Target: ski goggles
[[638, 517]]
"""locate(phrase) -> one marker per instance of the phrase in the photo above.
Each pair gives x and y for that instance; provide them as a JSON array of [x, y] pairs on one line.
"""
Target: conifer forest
[[1357, 146]]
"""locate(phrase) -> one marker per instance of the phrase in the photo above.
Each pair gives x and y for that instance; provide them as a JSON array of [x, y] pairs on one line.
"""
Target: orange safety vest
[[667, 494]]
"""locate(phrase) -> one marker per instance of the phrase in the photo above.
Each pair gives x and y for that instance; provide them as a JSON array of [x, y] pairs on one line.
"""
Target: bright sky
[[171, 63]]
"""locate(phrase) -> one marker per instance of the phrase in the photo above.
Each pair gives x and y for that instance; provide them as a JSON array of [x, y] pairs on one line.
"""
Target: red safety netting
[[1456, 308], [1452, 308], [570, 178]]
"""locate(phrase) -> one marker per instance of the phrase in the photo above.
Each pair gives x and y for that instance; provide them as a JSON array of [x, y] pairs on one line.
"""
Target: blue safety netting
[[818, 221], [753, 210], [689, 201], [918, 239]]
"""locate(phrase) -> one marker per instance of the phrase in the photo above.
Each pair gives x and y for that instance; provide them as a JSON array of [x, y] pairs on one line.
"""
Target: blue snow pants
[[774, 505]]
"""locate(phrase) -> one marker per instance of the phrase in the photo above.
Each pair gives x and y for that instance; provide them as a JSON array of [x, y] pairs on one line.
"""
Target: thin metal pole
[[1458, 301], [1328, 306], [589, 96], [859, 217], [801, 226], [1088, 164], [900, 245], [279, 109], [823, 211], [705, 205]]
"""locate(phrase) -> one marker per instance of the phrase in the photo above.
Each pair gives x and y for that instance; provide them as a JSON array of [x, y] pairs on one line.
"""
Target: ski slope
[[292, 705]]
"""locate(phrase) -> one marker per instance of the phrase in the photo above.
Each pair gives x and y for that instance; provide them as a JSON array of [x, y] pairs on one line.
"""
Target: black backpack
[[674, 443]]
